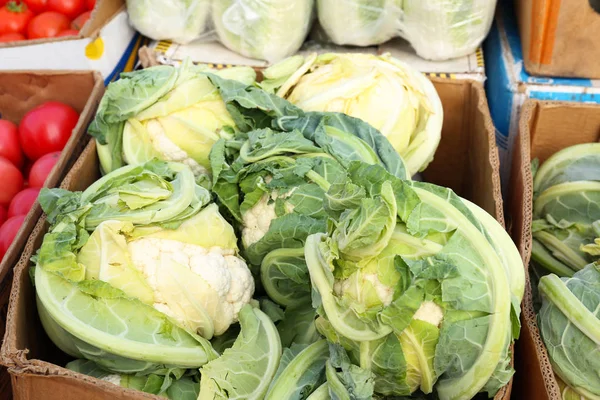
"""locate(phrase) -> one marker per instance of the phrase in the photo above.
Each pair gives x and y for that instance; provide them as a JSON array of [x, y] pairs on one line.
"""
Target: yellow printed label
[[95, 49]]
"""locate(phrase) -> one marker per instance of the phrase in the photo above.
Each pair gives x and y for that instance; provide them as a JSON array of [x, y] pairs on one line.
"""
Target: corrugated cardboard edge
[[27, 373], [538, 382], [493, 156]]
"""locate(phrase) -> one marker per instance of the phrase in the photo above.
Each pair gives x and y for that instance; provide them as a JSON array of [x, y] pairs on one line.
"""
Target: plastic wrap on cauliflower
[[178, 20], [443, 29], [437, 29], [359, 22], [262, 29]]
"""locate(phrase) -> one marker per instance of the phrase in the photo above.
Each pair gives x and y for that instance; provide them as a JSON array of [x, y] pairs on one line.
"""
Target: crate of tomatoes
[[43, 121], [67, 34], [39, 19]]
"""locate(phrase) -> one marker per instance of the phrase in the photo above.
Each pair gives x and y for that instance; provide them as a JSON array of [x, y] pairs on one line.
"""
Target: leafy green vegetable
[[272, 178], [262, 29], [174, 114], [570, 328], [245, 370], [566, 209], [301, 371], [381, 90], [138, 271], [421, 288], [173, 385]]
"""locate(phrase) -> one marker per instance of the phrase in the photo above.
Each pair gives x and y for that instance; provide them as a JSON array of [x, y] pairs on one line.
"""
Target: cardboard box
[[508, 85], [467, 149], [19, 93], [218, 56], [560, 38], [545, 128], [107, 43]]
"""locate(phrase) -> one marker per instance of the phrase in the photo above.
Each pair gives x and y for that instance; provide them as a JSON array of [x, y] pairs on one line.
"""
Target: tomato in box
[[46, 129], [14, 17]]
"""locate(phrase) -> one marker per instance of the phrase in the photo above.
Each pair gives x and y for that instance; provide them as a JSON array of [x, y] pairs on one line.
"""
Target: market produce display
[[40, 19], [173, 114], [28, 153], [349, 279], [566, 210], [385, 92]]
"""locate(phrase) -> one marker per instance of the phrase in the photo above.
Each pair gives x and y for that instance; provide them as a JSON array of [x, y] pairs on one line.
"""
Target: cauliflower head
[[157, 144], [192, 274], [201, 288], [257, 220]]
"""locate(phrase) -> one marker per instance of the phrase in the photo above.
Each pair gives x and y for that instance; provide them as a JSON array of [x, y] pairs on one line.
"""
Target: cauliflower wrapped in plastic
[[178, 20]]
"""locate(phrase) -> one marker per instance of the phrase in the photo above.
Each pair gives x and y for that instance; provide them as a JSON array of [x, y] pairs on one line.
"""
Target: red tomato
[[47, 24], [14, 18], [11, 37], [46, 128], [42, 168], [81, 20], [37, 6], [89, 4], [9, 231], [70, 8], [11, 183], [9, 143], [23, 201], [2, 215], [68, 32]]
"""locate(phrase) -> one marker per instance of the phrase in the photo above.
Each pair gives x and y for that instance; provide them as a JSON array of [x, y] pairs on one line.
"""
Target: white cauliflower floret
[[113, 378], [430, 312], [384, 293], [257, 219], [221, 269], [169, 150]]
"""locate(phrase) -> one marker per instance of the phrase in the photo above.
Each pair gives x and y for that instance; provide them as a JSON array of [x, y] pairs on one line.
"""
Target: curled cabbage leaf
[[566, 210], [263, 29], [178, 20], [570, 327]]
